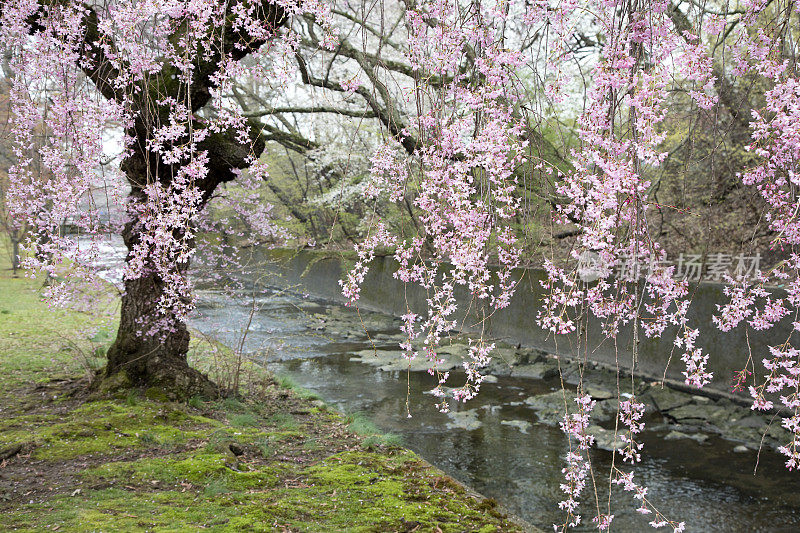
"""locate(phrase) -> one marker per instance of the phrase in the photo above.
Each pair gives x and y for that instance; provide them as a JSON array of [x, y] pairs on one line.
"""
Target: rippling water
[[707, 486]]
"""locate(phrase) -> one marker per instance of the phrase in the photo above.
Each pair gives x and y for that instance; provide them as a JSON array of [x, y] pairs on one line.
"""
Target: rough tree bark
[[160, 361]]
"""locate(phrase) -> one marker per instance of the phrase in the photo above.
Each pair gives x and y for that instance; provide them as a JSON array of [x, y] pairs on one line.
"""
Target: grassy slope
[[277, 461]]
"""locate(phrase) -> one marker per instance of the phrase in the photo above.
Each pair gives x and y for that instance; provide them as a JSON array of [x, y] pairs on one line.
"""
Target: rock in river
[[522, 425], [464, 420]]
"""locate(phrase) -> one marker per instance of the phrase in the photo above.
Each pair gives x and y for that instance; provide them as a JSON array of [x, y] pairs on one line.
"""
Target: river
[[707, 485], [496, 443]]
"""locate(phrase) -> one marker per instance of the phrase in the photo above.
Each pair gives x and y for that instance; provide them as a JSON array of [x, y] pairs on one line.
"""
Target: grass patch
[[284, 421], [359, 424], [287, 382], [133, 463], [244, 420]]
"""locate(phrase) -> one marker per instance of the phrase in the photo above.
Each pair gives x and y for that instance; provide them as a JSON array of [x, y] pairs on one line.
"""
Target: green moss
[[104, 427], [359, 424], [357, 491], [156, 394], [168, 469], [198, 469]]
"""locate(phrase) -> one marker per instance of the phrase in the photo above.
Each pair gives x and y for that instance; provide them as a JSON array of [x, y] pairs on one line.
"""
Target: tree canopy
[[467, 138]]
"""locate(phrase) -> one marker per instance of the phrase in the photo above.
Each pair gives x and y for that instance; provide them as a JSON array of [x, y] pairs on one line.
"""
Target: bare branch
[[313, 109]]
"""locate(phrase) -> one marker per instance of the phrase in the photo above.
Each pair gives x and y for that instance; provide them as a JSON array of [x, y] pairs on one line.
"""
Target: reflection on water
[[707, 486]]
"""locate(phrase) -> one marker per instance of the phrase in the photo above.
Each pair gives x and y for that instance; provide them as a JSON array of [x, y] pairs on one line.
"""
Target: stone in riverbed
[[522, 425], [675, 435], [598, 393], [751, 421], [467, 420], [542, 370], [667, 399], [742, 433], [604, 439], [391, 360], [550, 407], [717, 415]]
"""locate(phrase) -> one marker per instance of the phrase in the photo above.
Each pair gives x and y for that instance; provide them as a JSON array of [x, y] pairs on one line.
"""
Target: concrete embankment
[[318, 274]]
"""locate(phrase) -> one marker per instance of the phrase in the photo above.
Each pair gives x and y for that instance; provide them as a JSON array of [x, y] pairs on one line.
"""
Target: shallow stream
[[494, 443], [497, 443]]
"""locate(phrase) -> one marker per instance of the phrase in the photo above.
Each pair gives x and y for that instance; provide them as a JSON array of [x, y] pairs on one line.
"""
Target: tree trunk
[[14, 254], [139, 359]]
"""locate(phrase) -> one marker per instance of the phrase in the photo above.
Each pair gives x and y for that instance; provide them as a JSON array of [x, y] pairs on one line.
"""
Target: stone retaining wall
[[318, 274]]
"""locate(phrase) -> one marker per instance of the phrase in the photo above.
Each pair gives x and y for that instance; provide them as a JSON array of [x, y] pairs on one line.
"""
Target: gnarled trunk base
[[140, 359]]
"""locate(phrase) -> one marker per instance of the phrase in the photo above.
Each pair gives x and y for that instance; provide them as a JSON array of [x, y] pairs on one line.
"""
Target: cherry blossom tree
[[154, 70], [465, 94], [470, 135]]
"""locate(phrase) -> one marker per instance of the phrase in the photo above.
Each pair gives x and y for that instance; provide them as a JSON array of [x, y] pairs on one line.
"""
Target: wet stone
[[507, 356], [605, 410], [570, 372], [605, 439], [385, 337], [531, 355], [460, 350], [522, 425], [598, 393], [675, 435], [667, 399], [752, 421], [717, 415], [549, 407], [467, 420], [744, 434], [688, 412], [535, 371], [391, 360]]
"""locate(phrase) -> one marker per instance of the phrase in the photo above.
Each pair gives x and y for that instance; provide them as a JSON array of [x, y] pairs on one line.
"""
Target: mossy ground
[[277, 460]]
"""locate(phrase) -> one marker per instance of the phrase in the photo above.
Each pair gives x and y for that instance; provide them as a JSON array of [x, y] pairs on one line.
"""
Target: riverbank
[[276, 460], [657, 359]]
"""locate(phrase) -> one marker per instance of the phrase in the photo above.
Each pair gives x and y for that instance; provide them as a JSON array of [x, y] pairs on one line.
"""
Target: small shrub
[[233, 405], [148, 439], [311, 445], [286, 382], [132, 398], [266, 449], [386, 439]]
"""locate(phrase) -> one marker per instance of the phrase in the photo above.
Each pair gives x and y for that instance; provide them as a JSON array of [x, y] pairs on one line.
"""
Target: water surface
[[707, 486]]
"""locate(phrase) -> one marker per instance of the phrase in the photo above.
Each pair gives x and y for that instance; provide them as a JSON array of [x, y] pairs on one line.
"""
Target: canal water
[[495, 443]]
